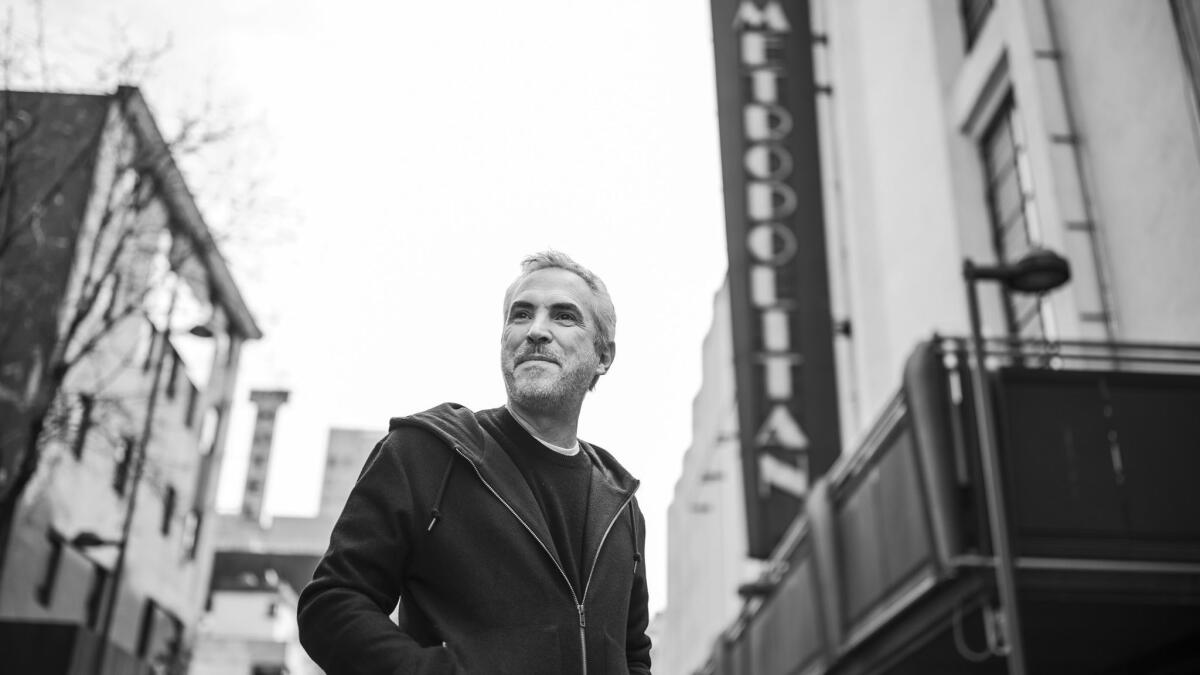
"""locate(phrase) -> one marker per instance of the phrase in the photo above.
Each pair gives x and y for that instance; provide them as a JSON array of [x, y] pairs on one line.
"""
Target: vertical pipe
[[139, 461], [997, 514]]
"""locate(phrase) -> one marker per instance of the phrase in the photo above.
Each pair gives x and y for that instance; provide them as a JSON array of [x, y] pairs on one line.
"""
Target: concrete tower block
[[268, 402]]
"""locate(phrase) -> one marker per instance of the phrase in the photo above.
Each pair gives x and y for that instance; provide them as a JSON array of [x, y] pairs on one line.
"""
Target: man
[[512, 546]]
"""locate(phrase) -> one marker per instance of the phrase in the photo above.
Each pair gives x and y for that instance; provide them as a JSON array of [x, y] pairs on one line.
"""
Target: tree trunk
[[27, 467]]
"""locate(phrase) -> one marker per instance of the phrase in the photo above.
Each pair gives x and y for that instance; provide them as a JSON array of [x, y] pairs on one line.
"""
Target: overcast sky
[[405, 157]]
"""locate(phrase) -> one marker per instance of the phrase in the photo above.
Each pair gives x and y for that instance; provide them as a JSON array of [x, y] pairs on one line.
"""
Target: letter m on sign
[[770, 16]]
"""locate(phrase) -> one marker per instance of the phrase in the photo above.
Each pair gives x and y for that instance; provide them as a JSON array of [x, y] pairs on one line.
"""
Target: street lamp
[[1041, 271]]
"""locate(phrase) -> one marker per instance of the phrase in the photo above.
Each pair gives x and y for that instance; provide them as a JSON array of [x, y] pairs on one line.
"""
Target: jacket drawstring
[[436, 513]]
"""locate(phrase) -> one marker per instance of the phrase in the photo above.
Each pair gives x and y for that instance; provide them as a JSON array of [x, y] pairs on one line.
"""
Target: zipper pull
[[582, 622]]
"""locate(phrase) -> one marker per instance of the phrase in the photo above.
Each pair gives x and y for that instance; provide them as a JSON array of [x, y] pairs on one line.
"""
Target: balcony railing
[[891, 569]]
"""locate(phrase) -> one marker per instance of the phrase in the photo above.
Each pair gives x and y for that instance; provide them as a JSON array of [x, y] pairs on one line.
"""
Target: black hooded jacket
[[443, 520]]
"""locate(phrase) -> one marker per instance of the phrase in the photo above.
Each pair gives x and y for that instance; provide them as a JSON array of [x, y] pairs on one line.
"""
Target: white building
[[706, 521], [952, 130], [249, 626], [129, 458]]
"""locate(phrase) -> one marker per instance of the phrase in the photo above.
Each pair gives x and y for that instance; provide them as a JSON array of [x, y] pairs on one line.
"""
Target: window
[[83, 423], [124, 460], [45, 590], [191, 533], [208, 430], [189, 417], [974, 16], [169, 497], [159, 636], [174, 376], [151, 342], [96, 595], [1187, 23], [1013, 214], [145, 628]]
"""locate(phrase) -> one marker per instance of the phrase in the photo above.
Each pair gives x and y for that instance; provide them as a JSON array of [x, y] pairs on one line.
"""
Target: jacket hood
[[457, 426]]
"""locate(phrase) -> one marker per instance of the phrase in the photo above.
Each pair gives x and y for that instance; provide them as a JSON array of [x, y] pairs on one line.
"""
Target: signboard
[[779, 287]]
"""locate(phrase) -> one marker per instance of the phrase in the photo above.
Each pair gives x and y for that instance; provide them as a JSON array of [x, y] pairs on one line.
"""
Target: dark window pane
[[974, 16], [169, 497], [1187, 23], [96, 595], [193, 396], [86, 404], [1007, 199], [124, 459], [1016, 239], [171, 379], [45, 590], [999, 148]]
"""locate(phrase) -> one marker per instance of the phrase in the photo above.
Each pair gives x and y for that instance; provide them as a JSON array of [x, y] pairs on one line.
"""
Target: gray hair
[[606, 313]]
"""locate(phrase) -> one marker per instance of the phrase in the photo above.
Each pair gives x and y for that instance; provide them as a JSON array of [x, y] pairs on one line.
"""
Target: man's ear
[[606, 357]]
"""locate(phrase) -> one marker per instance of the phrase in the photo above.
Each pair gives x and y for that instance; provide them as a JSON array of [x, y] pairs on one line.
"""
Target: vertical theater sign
[[783, 330]]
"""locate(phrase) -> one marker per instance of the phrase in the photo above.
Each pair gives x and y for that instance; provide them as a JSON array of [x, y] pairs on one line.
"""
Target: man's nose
[[539, 330]]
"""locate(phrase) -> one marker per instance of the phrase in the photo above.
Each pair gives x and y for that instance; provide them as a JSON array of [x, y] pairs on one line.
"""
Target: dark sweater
[[561, 485], [442, 520]]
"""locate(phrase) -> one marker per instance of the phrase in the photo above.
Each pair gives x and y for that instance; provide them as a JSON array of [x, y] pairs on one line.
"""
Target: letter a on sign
[[782, 430]]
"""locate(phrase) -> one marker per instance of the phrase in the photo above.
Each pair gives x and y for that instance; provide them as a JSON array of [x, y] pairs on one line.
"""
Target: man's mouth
[[536, 357]]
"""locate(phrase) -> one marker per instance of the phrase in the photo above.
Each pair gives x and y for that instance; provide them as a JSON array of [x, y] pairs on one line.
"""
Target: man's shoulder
[[447, 425], [608, 464]]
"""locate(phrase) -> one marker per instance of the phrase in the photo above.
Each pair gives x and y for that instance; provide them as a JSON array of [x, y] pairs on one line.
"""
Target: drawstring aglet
[[433, 521]]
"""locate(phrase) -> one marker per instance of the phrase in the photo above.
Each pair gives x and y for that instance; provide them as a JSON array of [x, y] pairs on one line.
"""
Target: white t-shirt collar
[[568, 452]]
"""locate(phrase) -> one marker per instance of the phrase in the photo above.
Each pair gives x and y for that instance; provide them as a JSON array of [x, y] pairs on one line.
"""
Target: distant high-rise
[[268, 402], [344, 457]]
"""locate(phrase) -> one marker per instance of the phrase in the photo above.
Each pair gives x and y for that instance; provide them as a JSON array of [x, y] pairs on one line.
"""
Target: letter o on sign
[[768, 161], [771, 243]]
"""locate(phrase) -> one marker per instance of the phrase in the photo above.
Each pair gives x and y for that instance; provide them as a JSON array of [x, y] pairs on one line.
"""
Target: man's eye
[[520, 314], [566, 316]]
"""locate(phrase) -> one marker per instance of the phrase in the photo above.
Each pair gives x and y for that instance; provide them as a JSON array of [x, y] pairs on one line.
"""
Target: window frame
[[1021, 311]]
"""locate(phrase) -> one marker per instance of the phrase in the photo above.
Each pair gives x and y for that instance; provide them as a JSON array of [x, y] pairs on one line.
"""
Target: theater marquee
[[783, 335]]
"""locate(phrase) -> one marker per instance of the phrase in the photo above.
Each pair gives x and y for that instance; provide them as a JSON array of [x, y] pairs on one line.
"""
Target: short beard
[[560, 395]]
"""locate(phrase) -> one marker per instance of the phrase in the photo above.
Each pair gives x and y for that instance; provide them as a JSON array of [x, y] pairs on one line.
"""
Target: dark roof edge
[[185, 212]]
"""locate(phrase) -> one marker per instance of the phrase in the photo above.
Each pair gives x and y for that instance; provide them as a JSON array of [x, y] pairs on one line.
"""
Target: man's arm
[[343, 612], [637, 643]]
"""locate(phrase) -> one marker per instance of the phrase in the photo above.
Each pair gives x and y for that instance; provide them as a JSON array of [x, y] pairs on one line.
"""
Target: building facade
[[953, 130], [706, 521], [249, 625], [111, 282]]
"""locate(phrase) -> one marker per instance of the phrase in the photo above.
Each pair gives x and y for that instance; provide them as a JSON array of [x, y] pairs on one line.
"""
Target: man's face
[[547, 349]]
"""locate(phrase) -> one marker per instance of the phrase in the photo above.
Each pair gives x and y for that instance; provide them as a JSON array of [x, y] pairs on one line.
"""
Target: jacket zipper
[[587, 583], [566, 579]]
